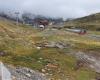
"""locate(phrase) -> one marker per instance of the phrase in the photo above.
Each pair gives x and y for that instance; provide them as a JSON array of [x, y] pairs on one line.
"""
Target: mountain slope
[[91, 22], [94, 18], [47, 51]]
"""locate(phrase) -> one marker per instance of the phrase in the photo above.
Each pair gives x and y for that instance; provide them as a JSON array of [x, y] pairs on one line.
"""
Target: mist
[[52, 8]]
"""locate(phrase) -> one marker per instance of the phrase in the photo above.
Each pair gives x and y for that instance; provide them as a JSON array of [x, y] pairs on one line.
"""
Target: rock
[[28, 75], [60, 45], [41, 58], [56, 45], [39, 61], [43, 70], [13, 78], [3, 53], [79, 64], [38, 48], [50, 45], [46, 73], [52, 66], [23, 73]]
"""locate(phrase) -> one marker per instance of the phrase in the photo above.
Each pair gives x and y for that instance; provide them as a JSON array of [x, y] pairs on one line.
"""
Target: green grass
[[82, 75], [19, 42]]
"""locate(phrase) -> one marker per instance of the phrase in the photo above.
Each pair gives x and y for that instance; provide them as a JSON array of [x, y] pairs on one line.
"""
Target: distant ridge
[[90, 18], [91, 22]]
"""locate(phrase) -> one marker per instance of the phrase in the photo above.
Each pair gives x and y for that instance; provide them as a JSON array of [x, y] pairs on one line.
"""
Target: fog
[[52, 8]]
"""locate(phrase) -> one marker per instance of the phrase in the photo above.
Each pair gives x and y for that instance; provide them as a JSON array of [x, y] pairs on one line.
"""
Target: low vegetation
[[19, 42], [90, 22]]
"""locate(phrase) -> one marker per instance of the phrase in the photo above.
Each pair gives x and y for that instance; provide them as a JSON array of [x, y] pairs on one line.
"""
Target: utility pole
[[17, 18]]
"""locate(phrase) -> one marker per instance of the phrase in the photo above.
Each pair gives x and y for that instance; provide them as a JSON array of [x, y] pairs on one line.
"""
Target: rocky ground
[[22, 73], [90, 60]]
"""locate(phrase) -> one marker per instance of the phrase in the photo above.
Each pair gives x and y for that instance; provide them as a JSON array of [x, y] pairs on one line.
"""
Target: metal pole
[[17, 18]]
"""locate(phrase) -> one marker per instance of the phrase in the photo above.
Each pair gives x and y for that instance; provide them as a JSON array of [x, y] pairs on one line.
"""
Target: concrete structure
[[79, 31], [4, 72]]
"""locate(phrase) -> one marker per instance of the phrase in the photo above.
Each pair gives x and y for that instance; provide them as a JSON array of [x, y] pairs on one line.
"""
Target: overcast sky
[[53, 8]]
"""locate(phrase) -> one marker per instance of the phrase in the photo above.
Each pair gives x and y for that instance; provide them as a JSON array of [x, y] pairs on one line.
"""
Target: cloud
[[53, 8]]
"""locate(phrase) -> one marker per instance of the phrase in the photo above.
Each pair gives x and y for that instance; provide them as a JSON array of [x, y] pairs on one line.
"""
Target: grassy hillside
[[91, 22], [19, 47]]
